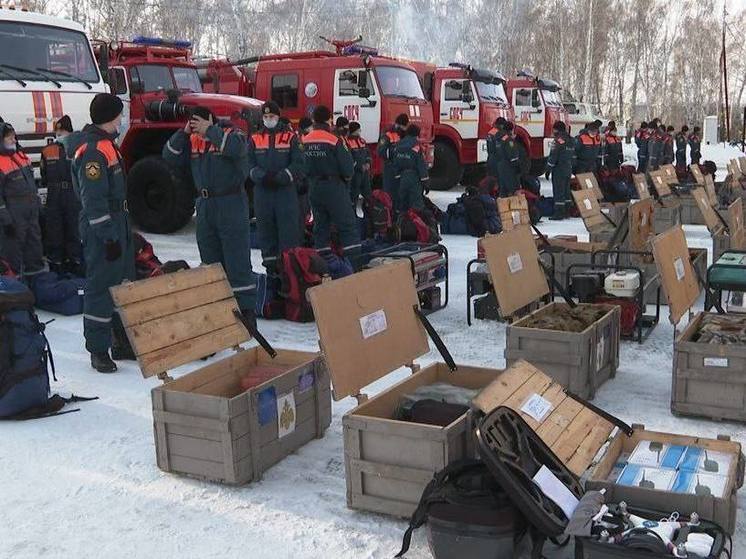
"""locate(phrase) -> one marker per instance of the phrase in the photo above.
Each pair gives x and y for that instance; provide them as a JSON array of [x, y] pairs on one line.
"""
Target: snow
[[86, 484]]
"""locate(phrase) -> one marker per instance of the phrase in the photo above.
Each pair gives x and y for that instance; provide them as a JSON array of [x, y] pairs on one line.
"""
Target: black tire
[[538, 166], [447, 170], [159, 196]]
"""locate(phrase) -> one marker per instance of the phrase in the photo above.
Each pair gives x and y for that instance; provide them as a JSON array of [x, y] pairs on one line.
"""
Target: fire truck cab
[[466, 101], [158, 82], [537, 105], [354, 81], [47, 70]]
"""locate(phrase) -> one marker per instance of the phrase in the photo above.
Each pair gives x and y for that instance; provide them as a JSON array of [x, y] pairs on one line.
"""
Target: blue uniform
[[587, 152], [681, 142], [99, 181], [330, 167], [386, 145], [360, 185], [411, 171], [503, 161], [560, 163], [63, 208], [219, 167], [695, 146], [276, 167]]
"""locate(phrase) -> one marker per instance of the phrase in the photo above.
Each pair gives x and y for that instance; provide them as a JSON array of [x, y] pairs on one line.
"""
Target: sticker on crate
[[373, 323], [537, 407], [678, 265], [305, 382], [267, 405], [587, 204], [285, 415], [515, 264], [600, 348], [516, 217], [716, 362]]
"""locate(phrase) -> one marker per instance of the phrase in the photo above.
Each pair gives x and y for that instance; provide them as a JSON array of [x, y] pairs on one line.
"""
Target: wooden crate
[[207, 425], [666, 217], [708, 379], [690, 212], [719, 510], [590, 442], [580, 361], [368, 327]]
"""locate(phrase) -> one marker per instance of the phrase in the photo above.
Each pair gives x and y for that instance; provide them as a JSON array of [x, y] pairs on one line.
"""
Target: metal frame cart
[[728, 273], [645, 323], [424, 270]]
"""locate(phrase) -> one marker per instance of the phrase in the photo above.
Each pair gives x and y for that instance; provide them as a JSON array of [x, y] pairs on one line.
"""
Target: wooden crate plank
[[151, 309], [537, 384], [502, 388], [141, 290], [192, 447], [558, 420], [588, 448], [186, 325], [167, 358], [566, 445]]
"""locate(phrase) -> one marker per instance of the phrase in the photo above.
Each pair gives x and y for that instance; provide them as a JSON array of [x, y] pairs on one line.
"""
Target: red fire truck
[[158, 82], [537, 105], [466, 101], [354, 81]]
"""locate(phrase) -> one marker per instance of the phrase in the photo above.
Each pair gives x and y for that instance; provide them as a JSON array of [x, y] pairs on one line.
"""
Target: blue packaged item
[[672, 457], [690, 461]]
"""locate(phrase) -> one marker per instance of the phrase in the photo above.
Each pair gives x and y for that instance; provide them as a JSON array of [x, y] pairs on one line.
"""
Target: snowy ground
[[85, 485]]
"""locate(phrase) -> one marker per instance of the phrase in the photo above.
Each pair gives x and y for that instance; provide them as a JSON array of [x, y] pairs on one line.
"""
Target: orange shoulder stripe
[[318, 136]]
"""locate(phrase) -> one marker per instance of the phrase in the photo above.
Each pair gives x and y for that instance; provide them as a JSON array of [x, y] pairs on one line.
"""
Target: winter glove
[[282, 178], [9, 231], [113, 250], [269, 180], [546, 175]]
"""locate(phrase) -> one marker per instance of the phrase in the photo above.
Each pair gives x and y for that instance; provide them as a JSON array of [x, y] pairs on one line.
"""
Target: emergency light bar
[[359, 49], [157, 42]]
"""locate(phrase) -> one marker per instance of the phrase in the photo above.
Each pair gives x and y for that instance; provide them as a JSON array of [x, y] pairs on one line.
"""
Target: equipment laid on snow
[[58, 293]]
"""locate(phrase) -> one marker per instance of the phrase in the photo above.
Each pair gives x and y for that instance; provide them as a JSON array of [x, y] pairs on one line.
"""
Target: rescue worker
[[411, 170], [503, 159], [588, 149], [360, 185], [305, 125], [330, 167], [342, 127], [668, 151], [20, 235], [655, 150], [217, 156], [641, 141], [613, 152], [386, 145], [681, 140], [695, 145], [100, 183], [63, 207], [275, 167], [560, 167]]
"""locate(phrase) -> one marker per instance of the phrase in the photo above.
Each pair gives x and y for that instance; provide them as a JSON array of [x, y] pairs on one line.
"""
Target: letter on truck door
[[348, 84]]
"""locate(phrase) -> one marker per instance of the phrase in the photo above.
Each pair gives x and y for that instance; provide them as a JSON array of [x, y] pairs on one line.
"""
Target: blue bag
[[58, 293]]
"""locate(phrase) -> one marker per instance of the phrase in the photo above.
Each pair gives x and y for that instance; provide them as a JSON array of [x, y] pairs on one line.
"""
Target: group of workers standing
[[658, 144]]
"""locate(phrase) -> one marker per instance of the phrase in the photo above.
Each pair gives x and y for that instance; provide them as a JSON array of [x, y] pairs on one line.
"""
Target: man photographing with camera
[[216, 155]]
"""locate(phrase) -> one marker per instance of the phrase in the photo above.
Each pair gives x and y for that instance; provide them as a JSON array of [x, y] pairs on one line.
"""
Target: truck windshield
[[399, 82], [551, 98], [153, 77], [491, 92], [30, 48]]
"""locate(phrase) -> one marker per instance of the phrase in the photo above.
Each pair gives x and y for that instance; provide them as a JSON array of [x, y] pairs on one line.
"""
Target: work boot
[[559, 213], [102, 362]]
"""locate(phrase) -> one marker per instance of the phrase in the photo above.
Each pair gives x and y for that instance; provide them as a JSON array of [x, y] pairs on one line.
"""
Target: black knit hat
[[271, 108], [341, 122], [559, 126], [321, 114], [685, 128], [105, 107], [354, 126], [611, 125], [500, 122], [304, 123], [64, 124], [203, 112], [402, 120]]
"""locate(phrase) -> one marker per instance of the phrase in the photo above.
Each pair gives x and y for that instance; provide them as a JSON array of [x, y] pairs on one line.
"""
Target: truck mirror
[[103, 62], [363, 93]]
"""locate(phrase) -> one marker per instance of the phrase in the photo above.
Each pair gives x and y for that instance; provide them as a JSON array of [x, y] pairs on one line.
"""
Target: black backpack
[[466, 492], [476, 217]]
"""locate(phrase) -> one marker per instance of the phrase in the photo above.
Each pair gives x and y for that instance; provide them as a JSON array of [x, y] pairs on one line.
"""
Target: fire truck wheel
[[160, 198], [447, 171]]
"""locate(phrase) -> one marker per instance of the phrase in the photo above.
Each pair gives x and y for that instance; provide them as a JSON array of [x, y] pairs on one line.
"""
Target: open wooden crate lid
[[699, 177], [641, 185], [174, 319], [736, 229], [660, 183], [670, 174], [641, 224], [590, 211], [734, 168], [367, 325], [712, 221], [710, 188], [513, 211], [588, 181], [517, 275], [574, 431], [677, 275]]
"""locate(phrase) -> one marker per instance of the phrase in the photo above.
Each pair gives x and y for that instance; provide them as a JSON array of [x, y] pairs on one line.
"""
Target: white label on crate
[[678, 265], [589, 184], [600, 347], [537, 407], [587, 204], [644, 220], [516, 217], [285, 414], [515, 264], [373, 323], [716, 361]]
